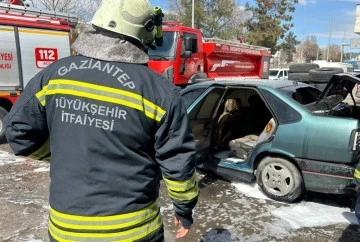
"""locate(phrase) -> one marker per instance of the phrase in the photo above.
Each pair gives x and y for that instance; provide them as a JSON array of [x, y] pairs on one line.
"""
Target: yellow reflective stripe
[[357, 173], [142, 101], [101, 93], [43, 153], [41, 96], [55, 33], [128, 235], [181, 186], [185, 196], [183, 190], [105, 218], [104, 223], [7, 29]]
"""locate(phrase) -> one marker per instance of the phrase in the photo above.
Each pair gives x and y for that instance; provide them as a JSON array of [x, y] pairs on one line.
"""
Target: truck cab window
[[193, 38], [167, 50]]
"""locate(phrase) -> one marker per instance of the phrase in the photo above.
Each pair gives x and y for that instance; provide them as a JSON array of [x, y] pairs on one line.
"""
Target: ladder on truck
[[237, 44], [9, 12]]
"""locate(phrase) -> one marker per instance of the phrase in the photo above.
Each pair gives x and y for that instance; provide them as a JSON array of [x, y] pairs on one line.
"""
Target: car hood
[[340, 85]]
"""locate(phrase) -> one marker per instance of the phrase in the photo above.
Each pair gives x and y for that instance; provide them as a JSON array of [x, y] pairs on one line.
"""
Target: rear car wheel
[[3, 113], [279, 179]]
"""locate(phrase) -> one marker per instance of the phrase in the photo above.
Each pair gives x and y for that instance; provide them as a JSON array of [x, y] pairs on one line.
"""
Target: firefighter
[[357, 179], [112, 129]]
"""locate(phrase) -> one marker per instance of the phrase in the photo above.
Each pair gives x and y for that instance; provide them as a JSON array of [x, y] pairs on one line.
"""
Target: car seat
[[225, 123], [242, 147]]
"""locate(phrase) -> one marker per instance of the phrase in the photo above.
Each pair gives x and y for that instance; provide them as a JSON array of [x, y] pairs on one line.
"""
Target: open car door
[[201, 113]]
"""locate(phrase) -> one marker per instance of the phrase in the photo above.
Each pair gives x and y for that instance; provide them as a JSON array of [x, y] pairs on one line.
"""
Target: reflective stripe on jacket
[[357, 174], [123, 227], [113, 131]]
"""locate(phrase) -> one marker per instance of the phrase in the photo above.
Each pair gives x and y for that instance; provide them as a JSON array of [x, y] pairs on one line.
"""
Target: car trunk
[[337, 98]]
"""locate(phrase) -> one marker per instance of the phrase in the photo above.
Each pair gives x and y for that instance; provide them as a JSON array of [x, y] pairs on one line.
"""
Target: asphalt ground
[[223, 213]]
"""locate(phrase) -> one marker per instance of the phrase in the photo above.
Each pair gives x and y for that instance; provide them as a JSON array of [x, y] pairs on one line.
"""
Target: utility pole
[[328, 50], [342, 46], [317, 54], [192, 14], [331, 23]]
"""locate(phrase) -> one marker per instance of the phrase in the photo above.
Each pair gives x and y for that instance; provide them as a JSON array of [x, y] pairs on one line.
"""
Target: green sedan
[[289, 136]]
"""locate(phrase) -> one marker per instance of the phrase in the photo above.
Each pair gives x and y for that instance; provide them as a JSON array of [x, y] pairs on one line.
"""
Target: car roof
[[277, 84]]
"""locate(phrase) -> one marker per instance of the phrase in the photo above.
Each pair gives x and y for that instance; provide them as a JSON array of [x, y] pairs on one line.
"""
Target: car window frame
[[201, 99], [269, 96]]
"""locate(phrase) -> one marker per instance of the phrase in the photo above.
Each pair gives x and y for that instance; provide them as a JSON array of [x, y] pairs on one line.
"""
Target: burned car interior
[[241, 118]]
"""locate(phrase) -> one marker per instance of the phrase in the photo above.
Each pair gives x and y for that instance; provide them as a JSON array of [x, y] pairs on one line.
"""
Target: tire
[[3, 113], [324, 74], [300, 77], [302, 67], [279, 179]]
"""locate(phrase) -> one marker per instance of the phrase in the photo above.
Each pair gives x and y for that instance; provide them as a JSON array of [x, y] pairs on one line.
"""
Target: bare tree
[[55, 5], [216, 18], [334, 53], [83, 9], [310, 49]]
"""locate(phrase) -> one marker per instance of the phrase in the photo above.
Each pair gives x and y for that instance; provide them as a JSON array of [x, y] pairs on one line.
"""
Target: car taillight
[[356, 145]]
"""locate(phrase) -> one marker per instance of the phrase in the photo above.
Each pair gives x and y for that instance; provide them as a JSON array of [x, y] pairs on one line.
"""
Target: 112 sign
[[45, 56]]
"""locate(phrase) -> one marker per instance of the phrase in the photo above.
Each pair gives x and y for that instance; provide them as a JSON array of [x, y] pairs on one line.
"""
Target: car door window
[[283, 112], [206, 107], [190, 96]]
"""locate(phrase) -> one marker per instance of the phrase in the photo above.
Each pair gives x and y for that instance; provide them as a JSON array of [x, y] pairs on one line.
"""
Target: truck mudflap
[[326, 177]]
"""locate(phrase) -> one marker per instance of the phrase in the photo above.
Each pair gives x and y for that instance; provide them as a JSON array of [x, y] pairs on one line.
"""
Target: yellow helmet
[[133, 18]]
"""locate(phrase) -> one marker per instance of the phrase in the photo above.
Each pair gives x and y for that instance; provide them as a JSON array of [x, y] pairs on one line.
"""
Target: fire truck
[[30, 40], [186, 57]]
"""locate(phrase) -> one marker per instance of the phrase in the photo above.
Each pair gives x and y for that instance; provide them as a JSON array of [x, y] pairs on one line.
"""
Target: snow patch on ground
[[6, 158], [303, 214], [42, 169], [309, 214], [250, 190], [30, 238]]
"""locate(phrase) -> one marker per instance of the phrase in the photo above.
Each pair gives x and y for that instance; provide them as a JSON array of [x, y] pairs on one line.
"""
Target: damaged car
[[288, 136]]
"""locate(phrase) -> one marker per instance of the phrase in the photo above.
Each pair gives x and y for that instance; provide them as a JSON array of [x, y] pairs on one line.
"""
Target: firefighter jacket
[[114, 131]]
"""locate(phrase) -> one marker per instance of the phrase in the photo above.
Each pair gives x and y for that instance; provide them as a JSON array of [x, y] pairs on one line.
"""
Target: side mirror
[[186, 54], [187, 43]]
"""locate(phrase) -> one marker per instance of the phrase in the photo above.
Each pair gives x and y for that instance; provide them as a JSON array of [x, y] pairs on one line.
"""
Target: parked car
[[278, 73], [287, 135]]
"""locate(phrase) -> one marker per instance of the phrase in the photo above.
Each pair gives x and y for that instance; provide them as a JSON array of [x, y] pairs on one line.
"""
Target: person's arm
[[175, 154], [357, 180], [25, 125]]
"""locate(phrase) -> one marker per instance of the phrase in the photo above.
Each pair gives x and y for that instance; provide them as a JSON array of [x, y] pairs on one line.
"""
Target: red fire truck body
[[30, 40], [210, 58]]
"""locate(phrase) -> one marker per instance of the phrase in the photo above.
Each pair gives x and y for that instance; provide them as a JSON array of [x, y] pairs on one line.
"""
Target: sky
[[314, 17]]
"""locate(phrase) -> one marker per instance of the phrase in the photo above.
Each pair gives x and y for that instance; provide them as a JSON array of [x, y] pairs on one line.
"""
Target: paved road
[[225, 213]]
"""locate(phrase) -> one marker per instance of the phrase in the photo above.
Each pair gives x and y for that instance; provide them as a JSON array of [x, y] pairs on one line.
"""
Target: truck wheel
[[302, 67], [3, 113], [300, 77], [324, 74], [279, 179]]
